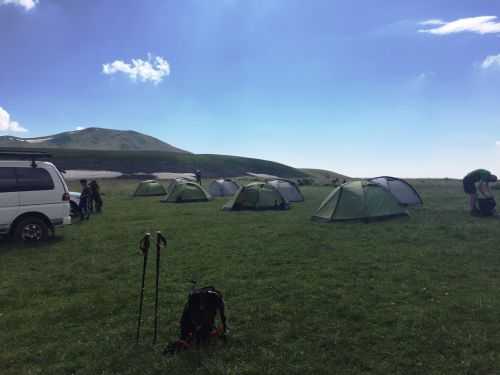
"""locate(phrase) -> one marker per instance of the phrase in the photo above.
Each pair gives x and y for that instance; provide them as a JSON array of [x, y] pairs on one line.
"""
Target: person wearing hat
[[483, 177]]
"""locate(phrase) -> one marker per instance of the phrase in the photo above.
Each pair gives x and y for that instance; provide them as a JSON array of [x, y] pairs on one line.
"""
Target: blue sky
[[362, 87]]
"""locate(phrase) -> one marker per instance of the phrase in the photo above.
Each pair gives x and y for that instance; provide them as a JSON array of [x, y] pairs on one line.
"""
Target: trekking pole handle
[[145, 243], [160, 239]]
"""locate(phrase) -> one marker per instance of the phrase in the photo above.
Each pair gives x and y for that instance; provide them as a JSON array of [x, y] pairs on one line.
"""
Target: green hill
[[322, 176], [92, 139], [130, 162]]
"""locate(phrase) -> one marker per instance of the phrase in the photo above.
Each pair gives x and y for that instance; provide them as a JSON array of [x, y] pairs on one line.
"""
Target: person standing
[[482, 177], [96, 200], [85, 197], [198, 176]]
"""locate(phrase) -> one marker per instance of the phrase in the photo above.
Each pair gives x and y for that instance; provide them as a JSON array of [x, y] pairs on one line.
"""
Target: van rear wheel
[[32, 229]]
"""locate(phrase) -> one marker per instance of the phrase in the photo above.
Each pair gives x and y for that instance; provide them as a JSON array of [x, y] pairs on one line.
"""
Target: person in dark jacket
[[96, 200], [85, 197], [198, 176], [482, 178]]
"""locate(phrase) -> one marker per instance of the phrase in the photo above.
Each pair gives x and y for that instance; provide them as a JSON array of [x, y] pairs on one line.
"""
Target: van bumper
[[60, 222]]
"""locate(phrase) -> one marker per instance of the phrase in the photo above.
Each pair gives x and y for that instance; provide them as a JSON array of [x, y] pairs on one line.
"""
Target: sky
[[360, 87]]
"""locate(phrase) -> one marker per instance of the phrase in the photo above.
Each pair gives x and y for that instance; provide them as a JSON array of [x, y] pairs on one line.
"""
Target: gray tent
[[223, 187], [288, 189], [402, 190]]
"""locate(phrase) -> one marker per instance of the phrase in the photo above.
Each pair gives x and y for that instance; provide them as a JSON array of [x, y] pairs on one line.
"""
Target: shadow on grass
[[8, 244]]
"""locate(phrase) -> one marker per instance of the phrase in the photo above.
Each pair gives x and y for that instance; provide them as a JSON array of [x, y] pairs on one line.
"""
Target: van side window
[[32, 179], [7, 180]]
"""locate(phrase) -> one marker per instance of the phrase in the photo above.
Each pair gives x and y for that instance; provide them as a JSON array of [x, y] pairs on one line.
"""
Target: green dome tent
[[358, 200], [257, 196], [149, 188], [288, 189], [401, 189], [223, 187], [180, 191]]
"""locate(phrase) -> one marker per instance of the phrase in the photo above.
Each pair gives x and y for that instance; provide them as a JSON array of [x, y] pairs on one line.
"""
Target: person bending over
[[482, 177]]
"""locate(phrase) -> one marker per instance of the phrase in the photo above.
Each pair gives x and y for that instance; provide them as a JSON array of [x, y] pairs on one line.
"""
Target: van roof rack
[[24, 155]]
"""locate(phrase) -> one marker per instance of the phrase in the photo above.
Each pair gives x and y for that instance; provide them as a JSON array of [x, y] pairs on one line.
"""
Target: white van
[[34, 199]]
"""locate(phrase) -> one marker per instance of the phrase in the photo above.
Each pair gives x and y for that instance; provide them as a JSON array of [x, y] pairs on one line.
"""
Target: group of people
[[90, 199], [476, 185]]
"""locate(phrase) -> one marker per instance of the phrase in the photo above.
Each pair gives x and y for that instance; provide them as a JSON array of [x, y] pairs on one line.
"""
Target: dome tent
[[149, 188], [401, 189], [180, 191], [288, 189], [223, 187], [359, 200], [257, 196]]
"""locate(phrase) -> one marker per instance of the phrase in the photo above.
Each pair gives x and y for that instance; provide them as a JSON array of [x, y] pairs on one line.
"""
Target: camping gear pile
[[486, 206], [198, 320]]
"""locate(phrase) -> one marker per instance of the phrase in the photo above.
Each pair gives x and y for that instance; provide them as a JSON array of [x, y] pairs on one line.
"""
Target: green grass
[[417, 295]]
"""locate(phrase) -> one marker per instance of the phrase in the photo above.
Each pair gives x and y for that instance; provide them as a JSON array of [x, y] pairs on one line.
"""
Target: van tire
[[31, 229]]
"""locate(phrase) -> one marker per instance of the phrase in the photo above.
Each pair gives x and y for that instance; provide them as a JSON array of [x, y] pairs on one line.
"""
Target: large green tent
[[149, 188], [185, 191], [257, 196], [359, 200]]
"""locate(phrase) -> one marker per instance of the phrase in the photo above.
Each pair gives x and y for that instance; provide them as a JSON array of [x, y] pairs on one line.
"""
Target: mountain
[[130, 152], [133, 162], [92, 139], [322, 176]]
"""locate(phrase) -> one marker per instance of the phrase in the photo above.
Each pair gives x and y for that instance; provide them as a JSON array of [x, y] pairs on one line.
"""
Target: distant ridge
[[323, 176], [133, 162], [92, 139]]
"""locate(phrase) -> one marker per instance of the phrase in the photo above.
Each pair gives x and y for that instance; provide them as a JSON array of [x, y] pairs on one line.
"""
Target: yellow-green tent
[[359, 200], [257, 196]]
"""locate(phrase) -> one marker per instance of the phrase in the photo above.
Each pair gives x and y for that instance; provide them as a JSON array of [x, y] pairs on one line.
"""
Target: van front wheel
[[32, 229]]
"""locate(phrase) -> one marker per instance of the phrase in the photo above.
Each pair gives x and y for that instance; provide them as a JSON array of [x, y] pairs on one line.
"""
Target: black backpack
[[198, 323], [486, 206]]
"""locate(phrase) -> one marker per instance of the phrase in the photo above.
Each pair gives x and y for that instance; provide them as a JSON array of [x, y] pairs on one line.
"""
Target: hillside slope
[[92, 139], [130, 162], [322, 176]]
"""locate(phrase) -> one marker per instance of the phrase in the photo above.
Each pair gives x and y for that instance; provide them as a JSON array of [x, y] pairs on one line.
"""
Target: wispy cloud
[[26, 4], [154, 69], [432, 22], [492, 61], [478, 25], [498, 143], [9, 126], [80, 128]]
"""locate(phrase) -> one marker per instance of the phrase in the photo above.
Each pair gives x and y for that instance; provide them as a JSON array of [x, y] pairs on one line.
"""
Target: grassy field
[[416, 295]]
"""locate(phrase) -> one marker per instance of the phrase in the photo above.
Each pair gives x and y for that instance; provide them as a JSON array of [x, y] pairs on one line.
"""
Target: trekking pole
[[144, 247], [160, 242]]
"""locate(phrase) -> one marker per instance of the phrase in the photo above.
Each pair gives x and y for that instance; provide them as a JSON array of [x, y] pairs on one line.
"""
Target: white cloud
[[492, 61], [432, 22], [26, 4], [80, 128], [478, 25], [498, 143], [153, 69], [9, 126]]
